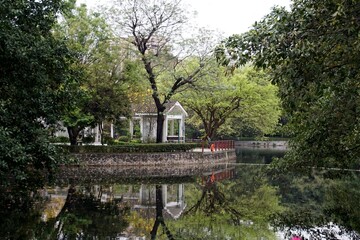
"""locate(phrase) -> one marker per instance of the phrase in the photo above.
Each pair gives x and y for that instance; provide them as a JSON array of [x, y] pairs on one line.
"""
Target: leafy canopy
[[313, 53], [102, 92], [219, 100], [34, 78]]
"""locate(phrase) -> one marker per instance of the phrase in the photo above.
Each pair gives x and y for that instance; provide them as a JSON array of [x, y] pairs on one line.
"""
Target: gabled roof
[[150, 108], [175, 105]]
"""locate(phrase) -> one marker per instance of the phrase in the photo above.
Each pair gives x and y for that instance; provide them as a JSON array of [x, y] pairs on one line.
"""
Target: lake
[[244, 200]]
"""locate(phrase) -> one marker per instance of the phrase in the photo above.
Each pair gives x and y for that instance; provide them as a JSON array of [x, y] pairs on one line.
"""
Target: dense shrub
[[123, 138], [133, 148], [88, 139], [60, 139]]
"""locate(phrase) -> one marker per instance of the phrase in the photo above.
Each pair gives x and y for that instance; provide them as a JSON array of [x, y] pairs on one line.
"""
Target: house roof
[[150, 108]]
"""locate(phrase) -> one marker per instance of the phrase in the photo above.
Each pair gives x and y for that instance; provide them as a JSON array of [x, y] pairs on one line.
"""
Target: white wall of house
[[173, 128], [148, 128]]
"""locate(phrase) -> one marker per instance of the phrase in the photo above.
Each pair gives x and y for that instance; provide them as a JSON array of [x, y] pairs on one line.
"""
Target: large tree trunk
[[159, 127], [73, 134]]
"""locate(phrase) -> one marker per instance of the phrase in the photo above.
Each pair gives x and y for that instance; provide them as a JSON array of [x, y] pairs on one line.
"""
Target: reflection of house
[[174, 123], [144, 197], [172, 195]]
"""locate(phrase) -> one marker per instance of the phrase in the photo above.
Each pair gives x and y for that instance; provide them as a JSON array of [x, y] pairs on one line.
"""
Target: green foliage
[[133, 148], [124, 139], [231, 103], [102, 93], [312, 52], [34, 77], [60, 139]]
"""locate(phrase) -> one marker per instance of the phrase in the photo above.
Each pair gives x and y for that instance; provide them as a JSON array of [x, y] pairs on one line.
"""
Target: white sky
[[226, 16], [232, 16]]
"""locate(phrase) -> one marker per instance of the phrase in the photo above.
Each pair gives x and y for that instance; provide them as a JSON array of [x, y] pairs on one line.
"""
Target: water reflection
[[216, 202], [85, 212], [256, 155]]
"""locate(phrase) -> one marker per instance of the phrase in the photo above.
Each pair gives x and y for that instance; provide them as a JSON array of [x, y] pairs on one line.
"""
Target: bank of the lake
[[169, 154], [162, 158], [274, 145], [260, 152]]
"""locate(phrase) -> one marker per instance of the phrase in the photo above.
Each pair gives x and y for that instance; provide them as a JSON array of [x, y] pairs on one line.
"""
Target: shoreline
[[155, 159]]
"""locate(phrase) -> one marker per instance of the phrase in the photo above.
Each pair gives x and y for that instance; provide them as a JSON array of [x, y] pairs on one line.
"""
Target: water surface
[[230, 201]]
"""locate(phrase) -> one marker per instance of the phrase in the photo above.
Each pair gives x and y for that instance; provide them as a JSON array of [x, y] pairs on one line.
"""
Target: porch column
[[97, 135], [112, 130], [165, 129], [142, 129], [172, 127], [182, 128], [131, 128]]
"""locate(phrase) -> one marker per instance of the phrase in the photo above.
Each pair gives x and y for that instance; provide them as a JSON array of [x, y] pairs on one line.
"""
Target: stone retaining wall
[[277, 145], [153, 159], [136, 174]]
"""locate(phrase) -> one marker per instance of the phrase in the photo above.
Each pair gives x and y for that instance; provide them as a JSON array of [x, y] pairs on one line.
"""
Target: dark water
[[256, 155], [239, 201]]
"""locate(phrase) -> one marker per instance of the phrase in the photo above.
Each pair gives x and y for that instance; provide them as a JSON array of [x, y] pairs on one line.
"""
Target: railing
[[219, 145], [175, 139]]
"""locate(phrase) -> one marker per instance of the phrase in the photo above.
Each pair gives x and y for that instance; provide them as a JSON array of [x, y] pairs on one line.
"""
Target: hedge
[[133, 148]]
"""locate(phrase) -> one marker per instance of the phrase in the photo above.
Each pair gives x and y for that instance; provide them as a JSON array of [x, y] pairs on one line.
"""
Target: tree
[[247, 95], [154, 29], [35, 77], [312, 52], [103, 94]]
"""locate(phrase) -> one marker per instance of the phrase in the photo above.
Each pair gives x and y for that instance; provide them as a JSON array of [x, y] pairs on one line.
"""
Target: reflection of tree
[[85, 215], [19, 214], [316, 199], [235, 209], [212, 201], [159, 220]]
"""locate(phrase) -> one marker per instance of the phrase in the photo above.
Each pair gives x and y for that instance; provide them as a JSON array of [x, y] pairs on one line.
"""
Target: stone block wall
[[153, 159]]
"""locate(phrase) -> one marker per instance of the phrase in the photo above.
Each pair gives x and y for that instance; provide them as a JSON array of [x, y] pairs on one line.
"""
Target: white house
[[174, 122], [144, 116]]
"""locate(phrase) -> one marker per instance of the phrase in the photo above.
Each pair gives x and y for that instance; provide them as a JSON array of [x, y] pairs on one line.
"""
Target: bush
[[108, 140], [88, 139], [60, 139], [133, 148], [135, 140], [123, 139]]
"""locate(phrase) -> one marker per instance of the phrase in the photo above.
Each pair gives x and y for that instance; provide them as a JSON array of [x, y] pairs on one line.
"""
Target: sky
[[232, 16], [226, 16]]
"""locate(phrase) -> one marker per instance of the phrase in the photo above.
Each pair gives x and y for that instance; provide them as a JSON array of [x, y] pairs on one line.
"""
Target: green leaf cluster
[[102, 94], [34, 76], [225, 104], [313, 53]]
